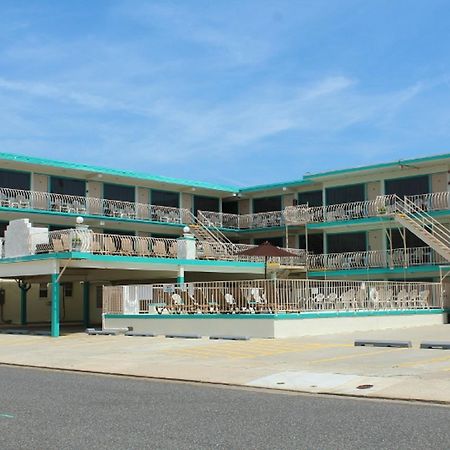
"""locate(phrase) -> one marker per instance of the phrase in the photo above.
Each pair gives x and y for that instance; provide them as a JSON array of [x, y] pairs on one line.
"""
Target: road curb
[[233, 385]]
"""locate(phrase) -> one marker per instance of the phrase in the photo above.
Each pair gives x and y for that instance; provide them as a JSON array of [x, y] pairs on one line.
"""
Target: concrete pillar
[[55, 305], [180, 276], [86, 305]]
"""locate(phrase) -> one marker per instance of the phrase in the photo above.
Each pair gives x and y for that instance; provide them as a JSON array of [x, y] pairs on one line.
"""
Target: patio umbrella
[[267, 250]]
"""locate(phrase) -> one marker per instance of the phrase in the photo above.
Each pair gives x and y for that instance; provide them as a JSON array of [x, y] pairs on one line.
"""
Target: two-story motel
[[386, 221]]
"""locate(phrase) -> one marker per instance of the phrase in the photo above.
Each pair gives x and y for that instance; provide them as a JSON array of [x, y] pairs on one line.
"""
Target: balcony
[[375, 259], [71, 204], [85, 240]]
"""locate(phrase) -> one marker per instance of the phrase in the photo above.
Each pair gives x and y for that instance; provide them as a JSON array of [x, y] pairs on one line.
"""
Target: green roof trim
[[308, 179], [404, 162], [114, 172]]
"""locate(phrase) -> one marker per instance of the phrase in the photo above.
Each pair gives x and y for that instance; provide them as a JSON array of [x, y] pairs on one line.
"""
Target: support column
[[86, 305], [180, 277], [24, 288], [55, 305]]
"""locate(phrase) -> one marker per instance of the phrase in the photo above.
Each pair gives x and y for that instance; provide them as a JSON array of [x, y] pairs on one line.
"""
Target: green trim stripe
[[283, 316]]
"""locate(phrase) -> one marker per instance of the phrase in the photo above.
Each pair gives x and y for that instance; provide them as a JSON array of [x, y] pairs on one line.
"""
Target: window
[[407, 186], [118, 192], [266, 204], [205, 204], [99, 297], [345, 194], [346, 242], [412, 240], [67, 186], [67, 289], [165, 198], [15, 180], [315, 243], [43, 290], [231, 207], [312, 198], [276, 241]]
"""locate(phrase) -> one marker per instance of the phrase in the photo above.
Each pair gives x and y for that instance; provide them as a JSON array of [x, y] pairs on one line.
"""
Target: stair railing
[[421, 218]]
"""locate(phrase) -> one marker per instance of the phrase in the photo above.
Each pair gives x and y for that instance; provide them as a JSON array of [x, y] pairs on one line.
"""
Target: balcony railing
[[292, 215], [375, 259], [86, 241], [270, 296], [46, 201], [245, 221]]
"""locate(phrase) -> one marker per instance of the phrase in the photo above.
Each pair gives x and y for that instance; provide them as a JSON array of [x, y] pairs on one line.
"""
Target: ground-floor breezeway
[[67, 288]]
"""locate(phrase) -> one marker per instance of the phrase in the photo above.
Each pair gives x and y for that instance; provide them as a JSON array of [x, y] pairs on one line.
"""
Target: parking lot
[[327, 364]]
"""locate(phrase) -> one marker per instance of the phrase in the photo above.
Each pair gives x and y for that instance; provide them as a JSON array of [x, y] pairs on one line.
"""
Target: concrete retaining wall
[[275, 326]]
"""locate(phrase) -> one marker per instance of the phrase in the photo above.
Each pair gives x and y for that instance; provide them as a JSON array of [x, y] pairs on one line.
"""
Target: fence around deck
[[398, 257], [270, 296]]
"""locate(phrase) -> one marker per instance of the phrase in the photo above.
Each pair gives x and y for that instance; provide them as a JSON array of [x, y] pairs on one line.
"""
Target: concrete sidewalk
[[319, 364]]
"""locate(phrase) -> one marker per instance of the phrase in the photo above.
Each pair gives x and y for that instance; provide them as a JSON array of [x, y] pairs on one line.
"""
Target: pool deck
[[317, 364]]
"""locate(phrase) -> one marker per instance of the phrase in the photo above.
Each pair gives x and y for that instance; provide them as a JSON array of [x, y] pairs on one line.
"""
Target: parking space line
[[359, 355]]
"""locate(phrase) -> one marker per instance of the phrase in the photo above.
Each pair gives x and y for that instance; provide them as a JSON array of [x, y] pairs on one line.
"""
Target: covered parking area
[[56, 269]]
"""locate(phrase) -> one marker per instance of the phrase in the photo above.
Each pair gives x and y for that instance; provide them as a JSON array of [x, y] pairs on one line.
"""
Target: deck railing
[[398, 257], [245, 221], [47, 201], [292, 215], [86, 241], [271, 296]]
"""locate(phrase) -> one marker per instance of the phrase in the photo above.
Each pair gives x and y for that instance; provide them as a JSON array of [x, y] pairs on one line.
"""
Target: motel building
[[89, 246]]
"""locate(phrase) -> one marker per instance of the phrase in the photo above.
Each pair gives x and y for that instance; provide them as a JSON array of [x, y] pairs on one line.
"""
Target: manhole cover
[[364, 386]]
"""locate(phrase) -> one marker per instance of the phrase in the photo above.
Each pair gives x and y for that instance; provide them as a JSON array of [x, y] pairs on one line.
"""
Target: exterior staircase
[[422, 224], [211, 242]]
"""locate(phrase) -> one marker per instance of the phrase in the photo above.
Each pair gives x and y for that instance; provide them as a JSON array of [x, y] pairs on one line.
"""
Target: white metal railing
[[398, 257], [47, 201], [424, 224], [245, 221], [271, 296], [2, 247], [86, 241]]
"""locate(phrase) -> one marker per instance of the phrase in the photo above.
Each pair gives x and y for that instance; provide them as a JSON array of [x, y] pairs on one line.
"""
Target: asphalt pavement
[[46, 409]]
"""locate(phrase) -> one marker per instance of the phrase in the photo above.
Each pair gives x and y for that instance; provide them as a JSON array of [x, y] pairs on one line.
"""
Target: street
[[42, 409]]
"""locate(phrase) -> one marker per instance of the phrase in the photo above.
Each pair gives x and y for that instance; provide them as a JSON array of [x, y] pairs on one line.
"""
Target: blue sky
[[237, 92]]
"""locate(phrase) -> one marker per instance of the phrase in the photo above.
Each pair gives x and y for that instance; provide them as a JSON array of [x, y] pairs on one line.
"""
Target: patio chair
[[127, 246], [173, 250], [142, 248], [319, 301], [347, 300], [159, 249], [57, 245], [402, 299], [331, 301], [423, 299], [65, 238], [110, 246]]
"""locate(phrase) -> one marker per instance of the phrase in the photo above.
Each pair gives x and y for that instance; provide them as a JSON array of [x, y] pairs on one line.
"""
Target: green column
[[23, 306], [86, 318], [55, 306], [24, 288]]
